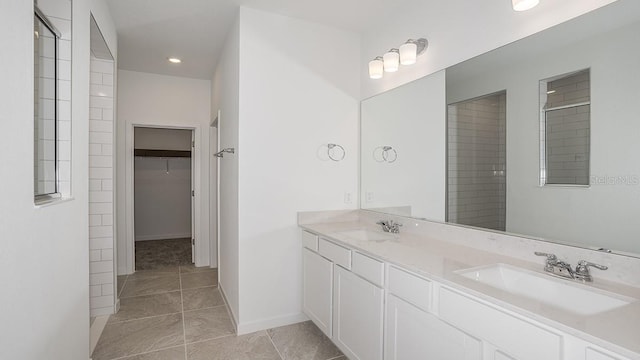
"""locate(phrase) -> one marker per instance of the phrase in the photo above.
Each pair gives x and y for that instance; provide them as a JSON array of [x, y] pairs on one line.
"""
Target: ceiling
[[150, 31]]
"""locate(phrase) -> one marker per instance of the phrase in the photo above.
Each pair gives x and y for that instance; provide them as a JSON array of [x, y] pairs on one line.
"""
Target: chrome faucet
[[563, 269], [555, 266], [582, 270], [390, 226]]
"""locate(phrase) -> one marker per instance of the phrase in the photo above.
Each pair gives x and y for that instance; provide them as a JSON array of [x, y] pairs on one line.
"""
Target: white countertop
[[617, 330]]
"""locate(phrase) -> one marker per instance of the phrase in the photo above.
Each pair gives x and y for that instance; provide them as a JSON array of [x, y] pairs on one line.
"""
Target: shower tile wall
[[101, 138], [476, 164], [567, 130]]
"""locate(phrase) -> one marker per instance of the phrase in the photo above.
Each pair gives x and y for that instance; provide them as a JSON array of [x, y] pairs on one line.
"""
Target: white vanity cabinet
[[512, 337], [357, 316], [317, 295], [412, 332], [374, 310], [345, 303]]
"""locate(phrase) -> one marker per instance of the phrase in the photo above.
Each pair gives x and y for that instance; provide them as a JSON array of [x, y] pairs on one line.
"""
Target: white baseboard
[[234, 319], [107, 310], [264, 324], [163, 237]]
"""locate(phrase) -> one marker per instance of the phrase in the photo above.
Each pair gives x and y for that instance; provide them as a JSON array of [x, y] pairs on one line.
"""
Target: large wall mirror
[[539, 138]]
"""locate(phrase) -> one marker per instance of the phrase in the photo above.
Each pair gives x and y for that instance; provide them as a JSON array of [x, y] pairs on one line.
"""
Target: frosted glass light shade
[[391, 60], [523, 5], [376, 68], [408, 53]]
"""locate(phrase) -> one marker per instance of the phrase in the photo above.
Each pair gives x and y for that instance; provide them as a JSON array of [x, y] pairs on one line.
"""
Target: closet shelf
[[162, 153]]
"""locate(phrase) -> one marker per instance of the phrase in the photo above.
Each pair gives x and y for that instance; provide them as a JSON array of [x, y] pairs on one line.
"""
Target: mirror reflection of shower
[[476, 162]]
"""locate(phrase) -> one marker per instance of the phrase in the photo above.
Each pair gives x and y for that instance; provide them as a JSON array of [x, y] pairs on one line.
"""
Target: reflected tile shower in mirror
[[476, 162]]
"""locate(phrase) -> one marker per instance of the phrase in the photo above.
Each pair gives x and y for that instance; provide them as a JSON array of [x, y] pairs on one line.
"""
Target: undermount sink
[[564, 294], [367, 235]]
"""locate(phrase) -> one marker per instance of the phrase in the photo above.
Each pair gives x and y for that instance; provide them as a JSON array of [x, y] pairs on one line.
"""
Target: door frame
[[214, 191], [196, 219]]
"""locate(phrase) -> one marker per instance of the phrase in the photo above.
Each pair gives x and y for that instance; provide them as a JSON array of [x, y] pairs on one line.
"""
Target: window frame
[[544, 111], [44, 198]]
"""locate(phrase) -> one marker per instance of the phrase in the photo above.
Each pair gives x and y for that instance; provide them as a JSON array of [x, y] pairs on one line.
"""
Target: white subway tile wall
[[476, 164], [101, 138]]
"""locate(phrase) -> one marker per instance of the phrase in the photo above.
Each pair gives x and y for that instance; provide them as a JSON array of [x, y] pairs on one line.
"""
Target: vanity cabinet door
[[411, 334], [357, 316], [318, 290]]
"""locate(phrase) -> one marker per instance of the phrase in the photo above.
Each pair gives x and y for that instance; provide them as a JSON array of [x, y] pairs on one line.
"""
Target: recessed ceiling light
[[174, 60]]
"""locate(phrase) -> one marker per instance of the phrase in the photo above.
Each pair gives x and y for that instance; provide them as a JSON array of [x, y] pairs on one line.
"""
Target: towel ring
[[388, 155], [330, 148]]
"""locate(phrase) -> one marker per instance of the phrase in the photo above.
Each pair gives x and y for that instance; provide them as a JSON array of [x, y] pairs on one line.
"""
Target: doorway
[[476, 161], [163, 197]]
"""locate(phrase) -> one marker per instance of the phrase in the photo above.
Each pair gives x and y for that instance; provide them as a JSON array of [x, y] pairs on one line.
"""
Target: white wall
[[44, 262], [162, 198], [457, 30], [225, 98], [299, 90], [163, 101], [411, 119]]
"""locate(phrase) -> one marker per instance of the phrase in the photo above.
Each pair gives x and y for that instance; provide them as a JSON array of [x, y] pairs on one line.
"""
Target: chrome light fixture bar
[[406, 54]]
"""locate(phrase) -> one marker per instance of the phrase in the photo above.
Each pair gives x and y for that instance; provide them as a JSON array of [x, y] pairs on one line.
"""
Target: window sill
[[52, 201]]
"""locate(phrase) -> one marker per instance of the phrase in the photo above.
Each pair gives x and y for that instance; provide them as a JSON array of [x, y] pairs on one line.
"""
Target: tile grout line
[[144, 318], [151, 294], [144, 353], [274, 344], [209, 339], [184, 327]]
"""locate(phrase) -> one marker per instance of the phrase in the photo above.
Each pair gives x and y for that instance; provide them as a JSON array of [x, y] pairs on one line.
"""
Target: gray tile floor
[[178, 313], [156, 254]]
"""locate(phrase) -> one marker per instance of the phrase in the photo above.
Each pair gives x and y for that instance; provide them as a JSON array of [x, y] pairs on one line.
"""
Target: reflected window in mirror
[[565, 129], [45, 51]]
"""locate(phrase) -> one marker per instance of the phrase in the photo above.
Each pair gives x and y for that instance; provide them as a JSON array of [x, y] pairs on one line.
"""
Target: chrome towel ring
[[385, 154], [331, 152]]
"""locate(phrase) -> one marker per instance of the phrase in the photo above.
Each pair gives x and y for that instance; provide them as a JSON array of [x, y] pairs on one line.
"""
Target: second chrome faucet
[[563, 269], [390, 226]]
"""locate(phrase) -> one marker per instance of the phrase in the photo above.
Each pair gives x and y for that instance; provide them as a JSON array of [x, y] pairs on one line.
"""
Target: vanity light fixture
[[391, 60], [406, 54], [174, 60], [523, 5], [410, 50], [376, 68]]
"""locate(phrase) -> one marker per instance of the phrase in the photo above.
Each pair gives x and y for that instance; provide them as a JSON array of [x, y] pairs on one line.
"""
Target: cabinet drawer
[[310, 240], [368, 268], [505, 331], [411, 288], [336, 253]]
